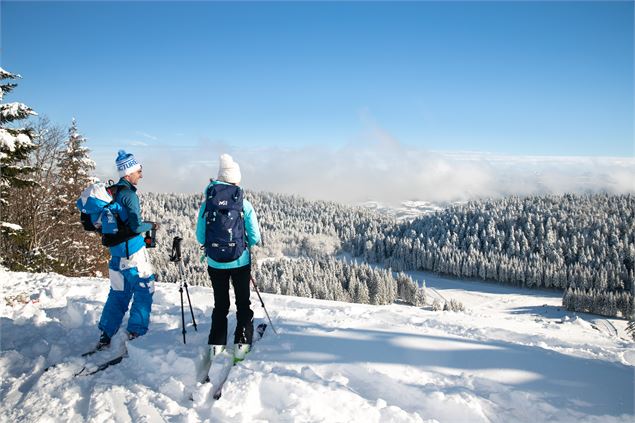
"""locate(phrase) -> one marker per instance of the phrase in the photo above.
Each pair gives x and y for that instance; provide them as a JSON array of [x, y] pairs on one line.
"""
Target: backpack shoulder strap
[[208, 192], [114, 190]]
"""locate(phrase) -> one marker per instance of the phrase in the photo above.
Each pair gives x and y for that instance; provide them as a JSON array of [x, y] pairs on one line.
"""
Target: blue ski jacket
[[251, 230], [129, 200]]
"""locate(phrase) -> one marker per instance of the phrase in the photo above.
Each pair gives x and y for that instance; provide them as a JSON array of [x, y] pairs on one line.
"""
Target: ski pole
[[175, 257], [190, 303], [182, 312], [262, 304]]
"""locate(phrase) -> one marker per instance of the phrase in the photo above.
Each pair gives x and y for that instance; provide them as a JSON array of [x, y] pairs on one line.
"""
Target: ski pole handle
[[150, 237], [175, 256]]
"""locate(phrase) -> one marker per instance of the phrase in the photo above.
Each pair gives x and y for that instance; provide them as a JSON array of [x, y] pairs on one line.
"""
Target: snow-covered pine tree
[[420, 297], [15, 145], [630, 328], [15, 142], [81, 253], [436, 305]]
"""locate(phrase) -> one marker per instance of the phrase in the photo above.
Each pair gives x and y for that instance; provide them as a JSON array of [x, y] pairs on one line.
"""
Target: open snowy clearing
[[514, 355]]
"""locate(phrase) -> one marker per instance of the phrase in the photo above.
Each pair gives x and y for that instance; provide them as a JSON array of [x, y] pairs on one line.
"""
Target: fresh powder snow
[[513, 356]]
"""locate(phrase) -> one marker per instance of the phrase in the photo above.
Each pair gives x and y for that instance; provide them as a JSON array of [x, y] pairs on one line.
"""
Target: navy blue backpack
[[225, 223]]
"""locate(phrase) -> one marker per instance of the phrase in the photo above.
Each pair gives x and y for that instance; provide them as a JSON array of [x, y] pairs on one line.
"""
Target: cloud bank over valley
[[386, 172]]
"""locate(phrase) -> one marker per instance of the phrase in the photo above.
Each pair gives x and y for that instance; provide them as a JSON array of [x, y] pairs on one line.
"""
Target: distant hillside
[[583, 242]]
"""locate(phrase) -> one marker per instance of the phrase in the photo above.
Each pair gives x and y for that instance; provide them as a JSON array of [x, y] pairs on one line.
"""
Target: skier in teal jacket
[[238, 270]]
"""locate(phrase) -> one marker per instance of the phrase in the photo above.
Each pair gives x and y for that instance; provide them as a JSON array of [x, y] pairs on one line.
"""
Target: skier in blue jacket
[[130, 271], [238, 270]]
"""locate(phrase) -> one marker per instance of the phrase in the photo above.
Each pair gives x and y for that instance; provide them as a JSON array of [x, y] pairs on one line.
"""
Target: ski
[[223, 367], [85, 371], [218, 391], [93, 351], [102, 366], [86, 354]]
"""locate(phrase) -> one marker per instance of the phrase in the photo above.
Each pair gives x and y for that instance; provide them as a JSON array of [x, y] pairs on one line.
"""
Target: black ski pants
[[240, 278]]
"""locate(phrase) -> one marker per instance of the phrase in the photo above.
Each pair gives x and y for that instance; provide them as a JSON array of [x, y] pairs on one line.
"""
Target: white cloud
[[385, 172], [146, 135]]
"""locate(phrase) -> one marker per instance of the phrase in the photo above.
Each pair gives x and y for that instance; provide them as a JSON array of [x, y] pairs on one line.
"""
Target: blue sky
[[511, 78]]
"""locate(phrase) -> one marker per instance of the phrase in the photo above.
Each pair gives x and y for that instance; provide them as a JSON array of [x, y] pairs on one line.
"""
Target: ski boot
[[104, 342], [240, 351]]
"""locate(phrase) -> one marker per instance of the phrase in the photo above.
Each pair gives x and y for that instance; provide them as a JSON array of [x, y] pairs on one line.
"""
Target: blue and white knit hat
[[126, 163]]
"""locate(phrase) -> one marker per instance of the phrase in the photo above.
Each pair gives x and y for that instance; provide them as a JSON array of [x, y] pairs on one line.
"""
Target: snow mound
[[515, 357]]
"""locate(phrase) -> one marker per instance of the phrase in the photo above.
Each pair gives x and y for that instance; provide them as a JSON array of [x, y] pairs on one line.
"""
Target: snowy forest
[[582, 245], [298, 252]]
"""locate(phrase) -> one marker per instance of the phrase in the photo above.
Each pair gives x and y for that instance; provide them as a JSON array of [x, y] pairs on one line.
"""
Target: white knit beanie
[[228, 170], [126, 163]]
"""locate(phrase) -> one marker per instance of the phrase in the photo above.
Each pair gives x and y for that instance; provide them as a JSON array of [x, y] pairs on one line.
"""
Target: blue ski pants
[[130, 279]]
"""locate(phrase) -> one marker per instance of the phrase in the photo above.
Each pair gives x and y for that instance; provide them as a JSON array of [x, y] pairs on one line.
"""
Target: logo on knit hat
[[126, 163]]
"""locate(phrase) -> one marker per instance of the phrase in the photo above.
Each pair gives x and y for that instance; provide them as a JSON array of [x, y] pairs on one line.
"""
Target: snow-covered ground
[[513, 356]]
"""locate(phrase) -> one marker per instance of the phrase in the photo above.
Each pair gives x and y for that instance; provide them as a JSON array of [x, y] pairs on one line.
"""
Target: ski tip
[[51, 366], [81, 372]]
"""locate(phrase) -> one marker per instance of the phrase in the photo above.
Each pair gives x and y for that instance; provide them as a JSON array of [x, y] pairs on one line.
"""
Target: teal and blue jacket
[[251, 230], [129, 200]]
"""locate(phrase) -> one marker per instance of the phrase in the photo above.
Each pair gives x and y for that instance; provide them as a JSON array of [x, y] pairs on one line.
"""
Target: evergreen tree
[[630, 328], [15, 145], [81, 252], [15, 142]]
